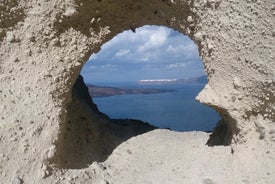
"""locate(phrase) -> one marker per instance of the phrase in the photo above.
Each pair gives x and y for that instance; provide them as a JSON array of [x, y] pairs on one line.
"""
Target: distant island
[[193, 80], [104, 91]]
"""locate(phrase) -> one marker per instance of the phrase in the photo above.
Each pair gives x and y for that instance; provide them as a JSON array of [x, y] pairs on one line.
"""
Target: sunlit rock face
[[44, 43]]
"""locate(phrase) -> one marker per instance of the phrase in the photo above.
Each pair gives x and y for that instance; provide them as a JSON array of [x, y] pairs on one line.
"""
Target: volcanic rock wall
[[44, 43]]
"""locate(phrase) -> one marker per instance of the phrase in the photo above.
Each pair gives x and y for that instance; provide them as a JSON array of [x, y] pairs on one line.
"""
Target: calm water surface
[[177, 110]]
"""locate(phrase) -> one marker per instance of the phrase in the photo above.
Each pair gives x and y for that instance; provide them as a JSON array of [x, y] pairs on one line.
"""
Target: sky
[[152, 52]]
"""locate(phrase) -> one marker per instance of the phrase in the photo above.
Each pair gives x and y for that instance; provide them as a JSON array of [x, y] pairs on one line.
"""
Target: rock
[[262, 134], [69, 12], [2, 155], [54, 42], [237, 83], [259, 125], [235, 41], [198, 36], [10, 37], [260, 129], [17, 180], [30, 36], [92, 20], [245, 181], [190, 19], [213, 3], [207, 181], [44, 171], [16, 60], [103, 181]]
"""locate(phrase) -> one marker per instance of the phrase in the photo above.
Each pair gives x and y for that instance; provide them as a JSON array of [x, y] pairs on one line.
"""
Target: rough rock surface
[[43, 45]]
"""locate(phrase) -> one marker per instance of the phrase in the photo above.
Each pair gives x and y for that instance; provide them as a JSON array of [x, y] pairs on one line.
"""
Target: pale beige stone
[[236, 43]]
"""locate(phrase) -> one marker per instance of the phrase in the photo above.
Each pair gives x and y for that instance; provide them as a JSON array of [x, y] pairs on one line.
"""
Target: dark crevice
[[89, 135], [222, 134]]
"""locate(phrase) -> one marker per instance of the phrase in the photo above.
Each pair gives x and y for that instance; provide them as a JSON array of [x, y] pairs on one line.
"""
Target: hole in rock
[[152, 75], [131, 68]]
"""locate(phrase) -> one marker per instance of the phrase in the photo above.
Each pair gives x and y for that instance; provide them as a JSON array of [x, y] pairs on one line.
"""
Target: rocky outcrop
[[44, 44], [88, 135]]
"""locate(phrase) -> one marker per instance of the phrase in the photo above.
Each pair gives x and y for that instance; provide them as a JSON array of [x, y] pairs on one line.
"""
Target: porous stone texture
[[44, 44]]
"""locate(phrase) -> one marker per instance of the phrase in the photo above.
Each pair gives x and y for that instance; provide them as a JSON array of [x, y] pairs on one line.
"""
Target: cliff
[[49, 133]]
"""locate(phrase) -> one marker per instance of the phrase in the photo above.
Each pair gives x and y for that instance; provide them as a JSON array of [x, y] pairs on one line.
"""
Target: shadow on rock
[[89, 135]]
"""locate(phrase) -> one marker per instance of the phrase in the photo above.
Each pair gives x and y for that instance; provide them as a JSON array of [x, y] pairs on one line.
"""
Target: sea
[[177, 110]]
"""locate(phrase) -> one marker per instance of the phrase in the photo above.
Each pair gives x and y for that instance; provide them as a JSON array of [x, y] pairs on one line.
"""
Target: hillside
[[103, 91], [193, 80]]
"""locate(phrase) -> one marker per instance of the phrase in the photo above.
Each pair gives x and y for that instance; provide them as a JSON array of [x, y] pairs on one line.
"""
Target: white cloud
[[122, 52], [108, 66], [183, 47], [156, 39], [177, 65], [172, 49], [152, 51], [92, 67], [98, 67]]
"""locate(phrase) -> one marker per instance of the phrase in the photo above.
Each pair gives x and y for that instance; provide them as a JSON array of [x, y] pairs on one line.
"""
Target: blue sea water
[[177, 110]]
